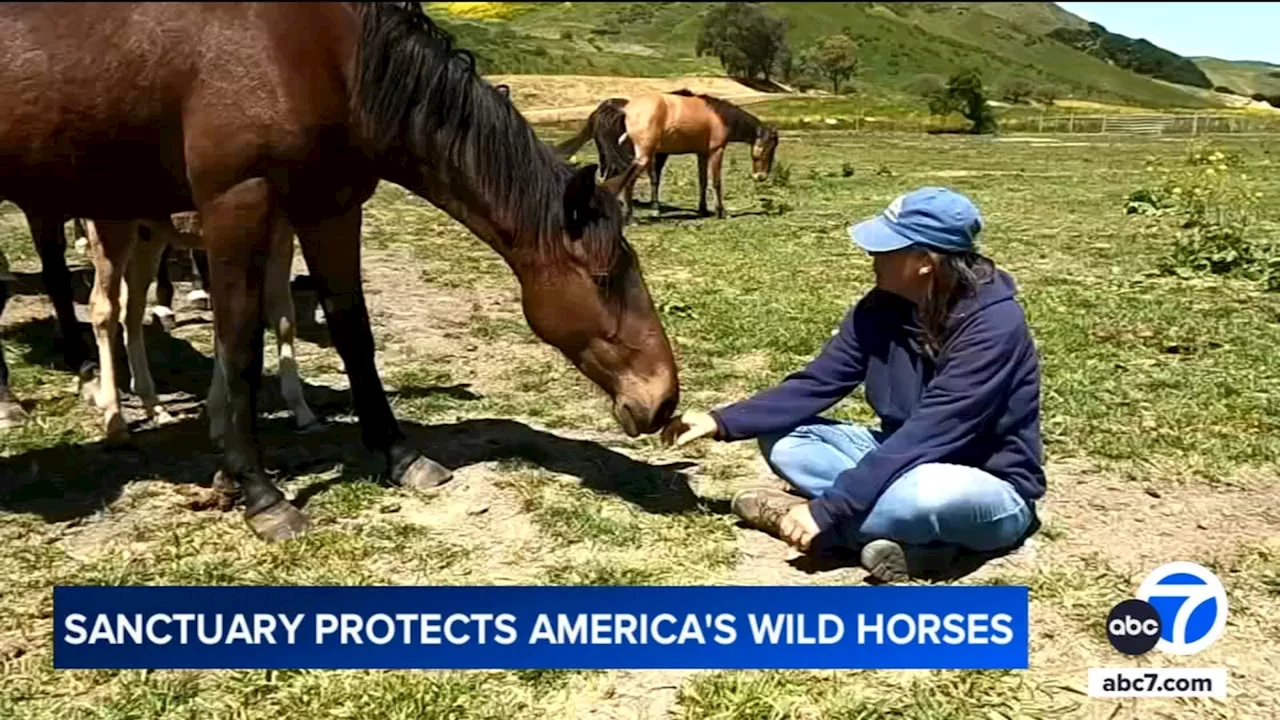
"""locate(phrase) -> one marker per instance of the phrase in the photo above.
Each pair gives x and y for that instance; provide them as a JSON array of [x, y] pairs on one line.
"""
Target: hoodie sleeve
[[828, 378], [956, 409]]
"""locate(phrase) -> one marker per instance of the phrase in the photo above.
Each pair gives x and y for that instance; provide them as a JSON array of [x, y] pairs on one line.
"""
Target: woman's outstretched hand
[[684, 429]]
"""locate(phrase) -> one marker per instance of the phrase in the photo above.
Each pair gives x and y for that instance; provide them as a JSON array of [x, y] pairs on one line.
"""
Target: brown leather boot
[[763, 507]]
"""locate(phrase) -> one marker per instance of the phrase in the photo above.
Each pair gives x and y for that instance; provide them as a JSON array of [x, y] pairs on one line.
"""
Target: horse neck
[[508, 216], [742, 128]]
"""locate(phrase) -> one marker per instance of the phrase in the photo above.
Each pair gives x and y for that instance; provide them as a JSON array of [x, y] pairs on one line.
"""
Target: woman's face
[[906, 272]]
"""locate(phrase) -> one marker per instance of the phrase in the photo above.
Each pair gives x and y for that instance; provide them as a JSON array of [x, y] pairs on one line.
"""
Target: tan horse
[[131, 251], [677, 123]]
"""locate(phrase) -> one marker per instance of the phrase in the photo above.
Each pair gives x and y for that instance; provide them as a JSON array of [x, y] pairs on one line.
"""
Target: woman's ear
[[928, 262]]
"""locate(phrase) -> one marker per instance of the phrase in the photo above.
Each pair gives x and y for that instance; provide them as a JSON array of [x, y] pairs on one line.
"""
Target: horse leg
[[11, 413], [110, 244], [281, 317], [51, 243], [140, 267], [702, 185], [715, 162], [237, 229], [163, 310], [655, 180], [199, 295], [332, 251]]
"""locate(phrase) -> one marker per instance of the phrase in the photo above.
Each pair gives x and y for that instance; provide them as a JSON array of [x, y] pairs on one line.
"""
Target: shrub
[[1213, 207], [1016, 91]]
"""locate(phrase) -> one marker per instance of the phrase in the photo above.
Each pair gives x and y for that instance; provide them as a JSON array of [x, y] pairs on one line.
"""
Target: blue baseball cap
[[934, 217]]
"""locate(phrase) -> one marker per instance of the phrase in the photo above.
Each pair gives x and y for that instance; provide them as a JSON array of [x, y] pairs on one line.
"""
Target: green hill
[[898, 42], [1243, 77]]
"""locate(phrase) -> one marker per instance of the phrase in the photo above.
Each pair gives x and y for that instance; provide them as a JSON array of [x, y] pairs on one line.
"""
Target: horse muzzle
[[645, 417]]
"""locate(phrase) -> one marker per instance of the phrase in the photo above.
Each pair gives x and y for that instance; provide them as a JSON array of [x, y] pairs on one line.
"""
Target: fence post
[[1041, 122], [1104, 126], [1071, 123], [1195, 122]]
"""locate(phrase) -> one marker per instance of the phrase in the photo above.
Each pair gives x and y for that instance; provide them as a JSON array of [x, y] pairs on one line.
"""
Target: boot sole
[[886, 561]]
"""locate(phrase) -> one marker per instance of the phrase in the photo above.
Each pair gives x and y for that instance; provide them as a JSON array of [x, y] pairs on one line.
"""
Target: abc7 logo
[[1181, 609], [1133, 627]]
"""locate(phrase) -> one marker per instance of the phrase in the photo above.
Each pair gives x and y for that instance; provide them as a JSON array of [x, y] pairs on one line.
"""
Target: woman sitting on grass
[[950, 368]]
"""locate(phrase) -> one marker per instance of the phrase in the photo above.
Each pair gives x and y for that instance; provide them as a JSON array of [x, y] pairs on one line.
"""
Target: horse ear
[[613, 185], [577, 197]]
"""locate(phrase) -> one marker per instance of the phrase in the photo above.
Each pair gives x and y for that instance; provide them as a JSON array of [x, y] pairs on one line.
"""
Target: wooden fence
[[1150, 124]]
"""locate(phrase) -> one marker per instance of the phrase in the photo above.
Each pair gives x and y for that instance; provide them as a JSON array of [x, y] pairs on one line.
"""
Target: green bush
[[1214, 209]]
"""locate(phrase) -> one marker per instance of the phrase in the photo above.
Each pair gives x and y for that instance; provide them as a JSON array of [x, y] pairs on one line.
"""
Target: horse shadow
[[72, 481], [677, 213], [28, 283], [180, 371]]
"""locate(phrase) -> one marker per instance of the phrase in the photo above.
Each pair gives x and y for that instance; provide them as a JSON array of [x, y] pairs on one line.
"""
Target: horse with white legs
[[131, 251]]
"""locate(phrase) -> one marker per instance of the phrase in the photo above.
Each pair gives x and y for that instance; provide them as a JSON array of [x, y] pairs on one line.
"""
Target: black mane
[[418, 93]]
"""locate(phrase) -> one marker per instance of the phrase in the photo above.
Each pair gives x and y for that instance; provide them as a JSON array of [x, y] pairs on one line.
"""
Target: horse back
[[108, 105], [676, 123]]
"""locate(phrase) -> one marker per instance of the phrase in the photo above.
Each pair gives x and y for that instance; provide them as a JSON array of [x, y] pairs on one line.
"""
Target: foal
[[131, 251]]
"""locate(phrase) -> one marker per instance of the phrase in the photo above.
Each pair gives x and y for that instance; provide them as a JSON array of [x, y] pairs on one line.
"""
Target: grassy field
[[1161, 420]]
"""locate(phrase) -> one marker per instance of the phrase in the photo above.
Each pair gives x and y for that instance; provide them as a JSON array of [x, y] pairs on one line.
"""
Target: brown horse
[[120, 111], [676, 123]]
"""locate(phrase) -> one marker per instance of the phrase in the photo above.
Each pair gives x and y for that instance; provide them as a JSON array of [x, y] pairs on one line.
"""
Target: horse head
[[592, 304], [762, 152]]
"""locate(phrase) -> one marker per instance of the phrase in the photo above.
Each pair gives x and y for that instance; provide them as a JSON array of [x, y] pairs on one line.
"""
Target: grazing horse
[[131, 251], [120, 111], [644, 130]]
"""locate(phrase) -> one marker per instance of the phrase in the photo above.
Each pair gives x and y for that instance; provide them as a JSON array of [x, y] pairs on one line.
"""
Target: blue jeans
[[930, 504]]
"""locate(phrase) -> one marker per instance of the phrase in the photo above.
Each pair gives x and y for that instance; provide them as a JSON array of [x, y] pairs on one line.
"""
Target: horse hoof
[[117, 430], [279, 522], [425, 474], [11, 414]]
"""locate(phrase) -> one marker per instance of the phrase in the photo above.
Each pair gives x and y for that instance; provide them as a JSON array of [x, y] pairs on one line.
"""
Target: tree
[[1016, 91], [963, 94], [835, 58], [746, 39]]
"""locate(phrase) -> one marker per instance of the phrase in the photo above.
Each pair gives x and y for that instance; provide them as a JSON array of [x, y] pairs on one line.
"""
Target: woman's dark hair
[[955, 275]]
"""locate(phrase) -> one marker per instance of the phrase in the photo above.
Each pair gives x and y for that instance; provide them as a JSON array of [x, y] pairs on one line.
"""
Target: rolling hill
[[897, 43], [1245, 78]]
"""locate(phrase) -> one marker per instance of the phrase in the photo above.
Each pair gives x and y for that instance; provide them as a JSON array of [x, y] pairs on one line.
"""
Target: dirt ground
[[556, 98]]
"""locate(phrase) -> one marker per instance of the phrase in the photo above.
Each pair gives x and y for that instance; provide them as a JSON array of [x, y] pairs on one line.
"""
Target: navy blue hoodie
[[978, 405]]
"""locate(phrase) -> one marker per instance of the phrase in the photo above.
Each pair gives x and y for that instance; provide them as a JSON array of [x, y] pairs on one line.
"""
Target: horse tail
[[610, 133], [608, 113]]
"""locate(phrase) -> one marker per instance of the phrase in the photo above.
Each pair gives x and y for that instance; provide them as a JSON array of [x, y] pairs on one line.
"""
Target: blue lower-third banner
[[572, 628]]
